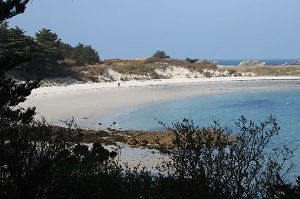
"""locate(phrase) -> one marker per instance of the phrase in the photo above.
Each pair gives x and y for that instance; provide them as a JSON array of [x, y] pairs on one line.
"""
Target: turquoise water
[[227, 108]]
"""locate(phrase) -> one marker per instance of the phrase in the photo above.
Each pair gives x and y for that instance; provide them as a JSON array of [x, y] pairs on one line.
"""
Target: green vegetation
[[147, 67], [160, 54], [83, 55], [191, 60], [229, 164], [11, 8], [15, 47], [136, 67], [271, 70], [43, 56], [49, 46]]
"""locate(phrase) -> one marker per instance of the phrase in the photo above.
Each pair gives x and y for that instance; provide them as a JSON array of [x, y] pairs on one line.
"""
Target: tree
[[85, 55], [191, 60], [66, 50], [10, 8], [160, 54], [49, 44], [15, 47], [47, 37]]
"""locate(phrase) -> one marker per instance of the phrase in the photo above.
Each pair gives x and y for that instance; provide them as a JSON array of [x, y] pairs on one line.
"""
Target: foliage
[[42, 55], [49, 45], [66, 50], [10, 8], [85, 55], [12, 94], [191, 60], [15, 47], [160, 54], [135, 67], [231, 165], [269, 71], [38, 161], [149, 66]]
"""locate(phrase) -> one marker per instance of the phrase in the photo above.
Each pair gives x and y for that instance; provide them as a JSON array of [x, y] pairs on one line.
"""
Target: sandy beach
[[83, 101]]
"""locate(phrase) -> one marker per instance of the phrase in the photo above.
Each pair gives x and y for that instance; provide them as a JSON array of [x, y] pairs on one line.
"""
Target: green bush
[[192, 60], [160, 54], [229, 164]]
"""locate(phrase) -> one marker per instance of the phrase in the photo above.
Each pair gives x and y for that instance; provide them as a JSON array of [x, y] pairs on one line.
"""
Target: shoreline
[[152, 82], [88, 103]]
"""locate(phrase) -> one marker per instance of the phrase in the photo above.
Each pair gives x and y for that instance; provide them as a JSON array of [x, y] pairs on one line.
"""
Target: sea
[[226, 108]]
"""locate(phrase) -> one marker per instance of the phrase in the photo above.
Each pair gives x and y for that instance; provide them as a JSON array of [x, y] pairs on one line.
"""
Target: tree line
[[46, 48]]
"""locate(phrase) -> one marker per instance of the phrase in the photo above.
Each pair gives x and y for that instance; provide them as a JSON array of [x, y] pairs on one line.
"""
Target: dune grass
[[268, 70], [148, 66]]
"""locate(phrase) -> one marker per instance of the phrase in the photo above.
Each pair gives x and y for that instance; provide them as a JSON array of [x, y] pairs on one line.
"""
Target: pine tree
[[66, 50], [15, 47], [49, 44], [160, 54], [85, 55]]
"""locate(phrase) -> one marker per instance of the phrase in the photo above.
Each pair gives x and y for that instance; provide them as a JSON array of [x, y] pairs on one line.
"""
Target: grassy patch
[[148, 66], [269, 70]]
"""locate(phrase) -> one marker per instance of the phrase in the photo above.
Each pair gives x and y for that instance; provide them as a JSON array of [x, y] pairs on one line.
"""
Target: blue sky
[[210, 29]]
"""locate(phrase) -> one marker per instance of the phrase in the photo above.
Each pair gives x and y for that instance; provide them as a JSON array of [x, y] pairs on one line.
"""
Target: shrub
[[160, 54], [231, 165], [192, 60]]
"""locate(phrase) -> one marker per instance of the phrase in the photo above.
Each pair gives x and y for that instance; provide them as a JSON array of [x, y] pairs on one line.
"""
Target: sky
[[206, 29]]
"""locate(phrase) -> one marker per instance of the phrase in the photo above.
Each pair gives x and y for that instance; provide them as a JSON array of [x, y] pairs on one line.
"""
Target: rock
[[296, 62], [252, 63]]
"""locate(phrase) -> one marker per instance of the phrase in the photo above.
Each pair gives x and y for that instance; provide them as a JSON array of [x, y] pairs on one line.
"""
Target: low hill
[[66, 72]]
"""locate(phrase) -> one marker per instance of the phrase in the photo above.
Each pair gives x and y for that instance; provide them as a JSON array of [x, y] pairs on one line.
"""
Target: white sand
[[84, 101]]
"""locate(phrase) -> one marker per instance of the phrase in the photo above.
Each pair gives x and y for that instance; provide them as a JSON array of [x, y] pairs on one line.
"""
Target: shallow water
[[226, 108]]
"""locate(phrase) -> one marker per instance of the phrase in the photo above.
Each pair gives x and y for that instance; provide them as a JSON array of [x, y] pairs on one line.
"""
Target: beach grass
[[268, 70]]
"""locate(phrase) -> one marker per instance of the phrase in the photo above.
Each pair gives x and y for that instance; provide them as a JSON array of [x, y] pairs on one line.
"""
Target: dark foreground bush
[[39, 161], [230, 165]]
